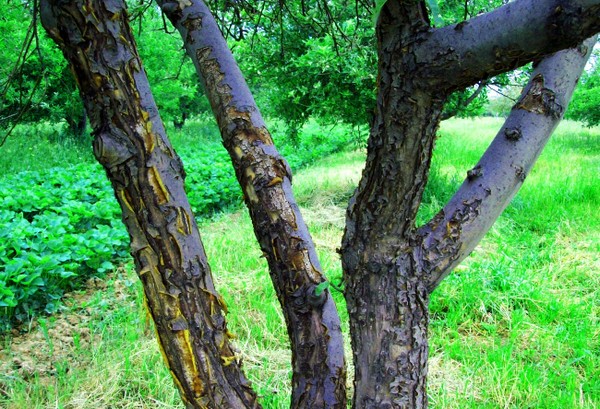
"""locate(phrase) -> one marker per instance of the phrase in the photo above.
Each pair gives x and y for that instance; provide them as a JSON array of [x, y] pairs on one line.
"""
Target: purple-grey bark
[[319, 368]]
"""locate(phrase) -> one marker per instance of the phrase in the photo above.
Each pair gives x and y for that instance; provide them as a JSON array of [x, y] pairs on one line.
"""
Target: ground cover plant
[[517, 325], [61, 225]]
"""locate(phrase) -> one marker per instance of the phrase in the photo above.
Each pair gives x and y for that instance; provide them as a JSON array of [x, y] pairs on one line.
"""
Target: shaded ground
[[51, 345]]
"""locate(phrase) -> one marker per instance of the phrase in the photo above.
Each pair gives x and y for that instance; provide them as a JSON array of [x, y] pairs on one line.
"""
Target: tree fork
[[389, 267], [147, 177], [319, 369]]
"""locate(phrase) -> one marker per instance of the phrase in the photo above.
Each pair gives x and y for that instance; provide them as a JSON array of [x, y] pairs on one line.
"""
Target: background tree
[[35, 82], [37, 85], [586, 100], [178, 94]]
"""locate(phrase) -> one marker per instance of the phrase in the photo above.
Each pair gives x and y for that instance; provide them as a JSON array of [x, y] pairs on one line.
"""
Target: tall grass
[[41, 146], [515, 326]]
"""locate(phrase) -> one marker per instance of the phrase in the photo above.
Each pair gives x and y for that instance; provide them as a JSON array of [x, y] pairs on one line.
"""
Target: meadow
[[516, 325]]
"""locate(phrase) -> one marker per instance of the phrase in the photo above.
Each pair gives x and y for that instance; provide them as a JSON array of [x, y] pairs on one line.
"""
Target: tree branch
[[453, 233], [319, 373], [461, 55], [464, 103]]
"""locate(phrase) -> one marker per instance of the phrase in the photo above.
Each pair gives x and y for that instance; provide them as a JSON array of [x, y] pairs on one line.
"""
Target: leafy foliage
[[586, 99], [57, 228], [61, 226], [178, 93], [37, 85], [301, 66]]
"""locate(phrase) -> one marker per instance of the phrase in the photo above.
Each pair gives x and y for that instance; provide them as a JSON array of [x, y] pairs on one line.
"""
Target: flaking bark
[[492, 183], [390, 267], [319, 369], [147, 177]]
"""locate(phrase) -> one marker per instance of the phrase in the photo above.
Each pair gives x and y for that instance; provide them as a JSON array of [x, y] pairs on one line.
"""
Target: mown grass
[[515, 326]]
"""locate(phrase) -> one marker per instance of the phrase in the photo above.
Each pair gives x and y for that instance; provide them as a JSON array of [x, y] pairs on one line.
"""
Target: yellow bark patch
[[97, 79], [228, 360], [126, 200], [250, 173], [276, 180], [275, 252], [273, 215], [251, 193], [117, 94], [160, 190], [222, 303], [184, 224], [238, 152]]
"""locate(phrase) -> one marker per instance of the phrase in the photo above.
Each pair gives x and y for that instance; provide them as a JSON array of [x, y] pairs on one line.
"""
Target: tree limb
[[458, 56], [453, 233], [319, 373]]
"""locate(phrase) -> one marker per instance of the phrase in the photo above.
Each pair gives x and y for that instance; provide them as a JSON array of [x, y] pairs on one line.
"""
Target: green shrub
[[60, 226]]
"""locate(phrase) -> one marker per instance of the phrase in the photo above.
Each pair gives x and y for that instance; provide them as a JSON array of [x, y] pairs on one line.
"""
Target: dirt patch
[[48, 345]]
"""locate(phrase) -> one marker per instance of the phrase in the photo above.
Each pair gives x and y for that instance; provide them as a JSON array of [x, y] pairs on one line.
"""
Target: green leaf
[[434, 8], [321, 287]]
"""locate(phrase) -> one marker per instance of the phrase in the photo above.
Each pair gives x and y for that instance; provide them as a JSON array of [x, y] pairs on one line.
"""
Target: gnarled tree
[[390, 265]]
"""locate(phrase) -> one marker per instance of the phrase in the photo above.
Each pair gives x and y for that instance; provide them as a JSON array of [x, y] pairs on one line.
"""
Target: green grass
[[515, 326], [39, 147]]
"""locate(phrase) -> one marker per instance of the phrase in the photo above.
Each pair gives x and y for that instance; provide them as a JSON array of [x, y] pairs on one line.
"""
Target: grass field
[[515, 326]]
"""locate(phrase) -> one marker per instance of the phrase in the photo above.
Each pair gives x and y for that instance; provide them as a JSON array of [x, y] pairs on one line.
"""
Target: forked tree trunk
[[147, 177], [391, 266]]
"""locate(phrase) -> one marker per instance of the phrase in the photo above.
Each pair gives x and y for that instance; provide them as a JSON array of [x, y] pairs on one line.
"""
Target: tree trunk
[[147, 177], [319, 371], [390, 266]]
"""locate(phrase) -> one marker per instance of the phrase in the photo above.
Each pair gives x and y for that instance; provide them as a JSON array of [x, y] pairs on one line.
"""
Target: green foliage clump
[[585, 105], [57, 228], [211, 185], [61, 226], [311, 71]]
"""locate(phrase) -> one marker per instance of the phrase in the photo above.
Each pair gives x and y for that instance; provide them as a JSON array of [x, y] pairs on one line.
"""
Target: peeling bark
[[390, 267], [319, 369], [385, 289], [502, 169], [147, 177]]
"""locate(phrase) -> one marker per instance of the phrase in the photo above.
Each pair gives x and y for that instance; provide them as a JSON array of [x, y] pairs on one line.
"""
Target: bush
[[61, 226]]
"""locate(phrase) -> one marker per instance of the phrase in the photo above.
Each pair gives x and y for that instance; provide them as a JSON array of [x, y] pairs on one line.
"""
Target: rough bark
[[492, 183], [319, 372], [385, 291], [147, 177], [390, 267]]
